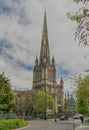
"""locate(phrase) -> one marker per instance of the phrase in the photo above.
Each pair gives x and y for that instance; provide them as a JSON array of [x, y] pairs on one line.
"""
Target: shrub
[[12, 124]]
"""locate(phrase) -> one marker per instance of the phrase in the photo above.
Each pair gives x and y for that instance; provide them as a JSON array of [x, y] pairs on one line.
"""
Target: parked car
[[63, 117], [77, 116]]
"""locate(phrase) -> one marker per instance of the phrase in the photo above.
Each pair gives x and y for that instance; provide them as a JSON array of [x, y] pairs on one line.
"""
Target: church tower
[[44, 74]]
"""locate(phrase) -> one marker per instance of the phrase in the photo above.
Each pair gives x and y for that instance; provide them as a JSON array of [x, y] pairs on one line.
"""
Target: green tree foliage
[[43, 99], [82, 18], [12, 124], [81, 1], [82, 96], [6, 96]]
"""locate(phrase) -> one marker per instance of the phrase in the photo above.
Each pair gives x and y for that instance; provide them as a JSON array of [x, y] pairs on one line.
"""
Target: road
[[49, 124]]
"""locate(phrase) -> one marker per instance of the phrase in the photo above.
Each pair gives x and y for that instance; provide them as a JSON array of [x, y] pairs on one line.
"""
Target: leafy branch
[[82, 19]]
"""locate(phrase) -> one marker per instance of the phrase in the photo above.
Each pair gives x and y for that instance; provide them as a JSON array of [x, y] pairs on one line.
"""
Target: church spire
[[61, 81], [45, 31], [53, 61], [36, 61], [45, 53]]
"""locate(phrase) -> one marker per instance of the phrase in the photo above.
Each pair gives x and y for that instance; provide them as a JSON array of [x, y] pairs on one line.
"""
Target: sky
[[21, 24]]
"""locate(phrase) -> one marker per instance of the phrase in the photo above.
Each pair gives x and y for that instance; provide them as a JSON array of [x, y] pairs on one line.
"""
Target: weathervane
[[44, 5], [44, 8]]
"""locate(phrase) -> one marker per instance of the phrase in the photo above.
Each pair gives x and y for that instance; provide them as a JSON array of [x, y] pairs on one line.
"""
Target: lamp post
[[45, 102], [72, 104], [45, 117], [55, 102], [45, 94], [73, 124]]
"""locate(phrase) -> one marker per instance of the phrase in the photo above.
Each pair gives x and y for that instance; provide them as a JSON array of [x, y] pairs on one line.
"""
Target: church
[[44, 79], [44, 73]]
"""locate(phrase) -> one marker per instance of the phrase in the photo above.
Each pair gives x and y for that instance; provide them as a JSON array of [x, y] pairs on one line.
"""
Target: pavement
[[51, 125], [84, 126]]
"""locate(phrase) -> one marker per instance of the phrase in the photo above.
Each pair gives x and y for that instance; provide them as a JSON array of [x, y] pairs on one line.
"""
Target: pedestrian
[[81, 118], [55, 120]]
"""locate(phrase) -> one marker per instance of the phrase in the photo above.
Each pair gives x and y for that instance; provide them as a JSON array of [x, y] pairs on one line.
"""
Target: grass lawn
[[11, 124], [88, 120]]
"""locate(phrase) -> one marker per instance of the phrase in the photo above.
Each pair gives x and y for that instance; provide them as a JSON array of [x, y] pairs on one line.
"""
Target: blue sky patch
[[5, 44], [61, 72], [5, 9], [27, 67]]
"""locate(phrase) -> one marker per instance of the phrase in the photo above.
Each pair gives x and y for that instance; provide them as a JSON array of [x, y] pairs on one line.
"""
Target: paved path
[[49, 125], [80, 126], [84, 126]]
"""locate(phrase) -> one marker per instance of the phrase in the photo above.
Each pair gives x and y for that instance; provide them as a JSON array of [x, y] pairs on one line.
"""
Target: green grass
[[12, 124], [88, 120]]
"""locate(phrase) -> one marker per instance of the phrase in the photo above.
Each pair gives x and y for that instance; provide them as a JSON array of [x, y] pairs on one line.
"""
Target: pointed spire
[[36, 61], [45, 31], [53, 61], [45, 45], [61, 81]]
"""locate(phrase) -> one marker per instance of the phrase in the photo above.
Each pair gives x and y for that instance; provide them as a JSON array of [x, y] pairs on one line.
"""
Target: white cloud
[[21, 27]]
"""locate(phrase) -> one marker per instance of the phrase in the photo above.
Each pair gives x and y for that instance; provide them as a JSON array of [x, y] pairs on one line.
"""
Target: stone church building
[[44, 73]]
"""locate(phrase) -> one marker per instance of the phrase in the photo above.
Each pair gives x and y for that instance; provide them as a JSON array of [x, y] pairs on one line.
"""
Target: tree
[[25, 102], [40, 102], [6, 96], [82, 18], [82, 96]]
